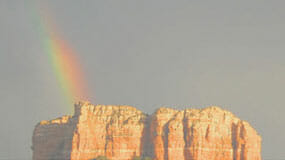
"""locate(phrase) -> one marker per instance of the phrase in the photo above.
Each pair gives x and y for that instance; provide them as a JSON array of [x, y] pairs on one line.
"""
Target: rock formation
[[123, 132]]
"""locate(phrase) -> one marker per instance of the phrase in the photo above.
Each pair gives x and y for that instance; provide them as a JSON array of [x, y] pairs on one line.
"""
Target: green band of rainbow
[[64, 63]]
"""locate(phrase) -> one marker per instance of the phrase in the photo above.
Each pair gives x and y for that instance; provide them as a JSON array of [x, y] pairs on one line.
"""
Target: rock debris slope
[[123, 132]]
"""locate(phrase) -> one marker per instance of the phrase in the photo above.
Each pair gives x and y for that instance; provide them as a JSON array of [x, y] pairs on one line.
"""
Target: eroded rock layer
[[123, 132], [208, 134]]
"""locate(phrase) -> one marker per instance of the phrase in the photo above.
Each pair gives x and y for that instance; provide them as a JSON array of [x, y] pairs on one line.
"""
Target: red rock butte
[[123, 132]]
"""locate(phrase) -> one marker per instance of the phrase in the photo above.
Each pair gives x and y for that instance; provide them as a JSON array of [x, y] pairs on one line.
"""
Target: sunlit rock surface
[[207, 134], [123, 132]]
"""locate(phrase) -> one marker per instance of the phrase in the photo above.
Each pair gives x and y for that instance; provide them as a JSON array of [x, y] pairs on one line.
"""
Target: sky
[[146, 54]]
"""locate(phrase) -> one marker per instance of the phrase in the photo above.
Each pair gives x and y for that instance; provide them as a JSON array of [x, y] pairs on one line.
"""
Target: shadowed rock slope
[[124, 132]]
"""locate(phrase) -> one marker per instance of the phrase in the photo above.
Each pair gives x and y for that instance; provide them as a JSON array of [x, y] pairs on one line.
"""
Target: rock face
[[208, 134], [123, 132]]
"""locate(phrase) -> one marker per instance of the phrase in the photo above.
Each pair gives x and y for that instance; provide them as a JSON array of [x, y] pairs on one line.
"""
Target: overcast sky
[[147, 54]]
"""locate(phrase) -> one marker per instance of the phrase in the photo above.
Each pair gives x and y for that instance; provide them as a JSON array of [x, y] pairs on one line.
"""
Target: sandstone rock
[[208, 134], [124, 132]]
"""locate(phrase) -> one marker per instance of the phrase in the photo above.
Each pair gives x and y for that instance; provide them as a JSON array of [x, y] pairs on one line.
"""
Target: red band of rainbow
[[65, 64]]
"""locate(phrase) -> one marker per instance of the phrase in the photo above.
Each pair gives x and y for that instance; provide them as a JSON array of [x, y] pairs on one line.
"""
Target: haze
[[147, 54]]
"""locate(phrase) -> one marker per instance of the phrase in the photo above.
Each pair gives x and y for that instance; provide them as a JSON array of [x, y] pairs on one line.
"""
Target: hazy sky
[[147, 54]]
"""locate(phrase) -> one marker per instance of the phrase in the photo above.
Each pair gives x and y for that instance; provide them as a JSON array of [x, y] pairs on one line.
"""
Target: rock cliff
[[123, 132]]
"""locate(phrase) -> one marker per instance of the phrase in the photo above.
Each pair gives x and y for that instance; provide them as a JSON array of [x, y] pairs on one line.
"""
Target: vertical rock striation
[[114, 131], [53, 139], [123, 132], [210, 133]]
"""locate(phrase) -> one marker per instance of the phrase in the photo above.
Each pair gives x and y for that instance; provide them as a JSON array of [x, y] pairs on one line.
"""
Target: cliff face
[[208, 134], [123, 132]]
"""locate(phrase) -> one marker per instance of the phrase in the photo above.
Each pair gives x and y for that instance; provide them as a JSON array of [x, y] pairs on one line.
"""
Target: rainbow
[[64, 62]]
